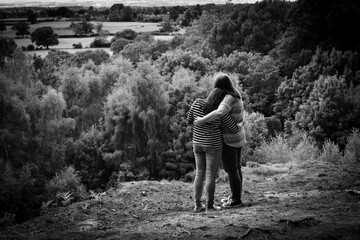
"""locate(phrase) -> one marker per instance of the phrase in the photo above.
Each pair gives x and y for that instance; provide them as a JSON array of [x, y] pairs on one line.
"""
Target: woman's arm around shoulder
[[230, 123], [224, 108]]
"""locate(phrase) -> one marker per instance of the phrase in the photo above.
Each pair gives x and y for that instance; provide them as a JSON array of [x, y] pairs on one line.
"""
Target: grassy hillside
[[312, 200]]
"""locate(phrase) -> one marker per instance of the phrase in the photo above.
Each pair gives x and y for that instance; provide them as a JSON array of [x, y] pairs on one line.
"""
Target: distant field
[[63, 27], [66, 44], [63, 42], [43, 53]]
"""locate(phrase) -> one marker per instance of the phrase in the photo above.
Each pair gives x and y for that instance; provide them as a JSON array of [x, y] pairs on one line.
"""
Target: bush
[[352, 148], [30, 47], [77, 45], [305, 150], [100, 42], [20, 196], [330, 153], [66, 185], [275, 151]]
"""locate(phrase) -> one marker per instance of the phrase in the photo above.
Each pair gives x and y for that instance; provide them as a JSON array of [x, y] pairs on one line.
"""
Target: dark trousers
[[231, 163]]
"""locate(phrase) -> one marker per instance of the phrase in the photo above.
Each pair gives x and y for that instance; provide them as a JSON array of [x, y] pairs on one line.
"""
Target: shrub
[[30, 47], [20, 196], [77, 45], [100, 42], [275, 151], [305, 150], [352, 148], [65, 183], [330, 153]]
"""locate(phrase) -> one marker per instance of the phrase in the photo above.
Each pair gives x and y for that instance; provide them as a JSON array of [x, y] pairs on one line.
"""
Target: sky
[[107, 3]]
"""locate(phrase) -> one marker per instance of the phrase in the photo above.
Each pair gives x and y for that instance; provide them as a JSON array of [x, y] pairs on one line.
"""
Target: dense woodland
[[75, 124]]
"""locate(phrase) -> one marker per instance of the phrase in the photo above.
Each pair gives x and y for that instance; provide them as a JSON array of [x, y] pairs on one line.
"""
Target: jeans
[[231, 163], [207, 162]]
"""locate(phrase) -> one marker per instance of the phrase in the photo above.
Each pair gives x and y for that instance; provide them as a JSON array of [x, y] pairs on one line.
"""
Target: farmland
[[62, 28]]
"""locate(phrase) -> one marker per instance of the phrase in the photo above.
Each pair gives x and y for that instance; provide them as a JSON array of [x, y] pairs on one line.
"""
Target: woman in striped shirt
[[232, 104], [207, 146]]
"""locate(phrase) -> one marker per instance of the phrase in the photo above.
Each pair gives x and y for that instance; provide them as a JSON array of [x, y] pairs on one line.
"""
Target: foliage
[[30, 47], [276, 151], [352, 148], [127, 34], [329, 111], [20, 195], [121, 14], [7, 47], [32, 17], [166, 27], [282, 149], [77, 45], [97, 56], [258, 75], [64, 183], [44, 36], [136, 51], [21, 28], [89, 160], [82, 28], [250, 28], [2, 26], [330, 153], [118, 45], [138, 107], [169, 62], [100, 42]]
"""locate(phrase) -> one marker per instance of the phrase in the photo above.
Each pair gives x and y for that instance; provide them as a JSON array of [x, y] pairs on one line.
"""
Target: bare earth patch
[[284, 201]]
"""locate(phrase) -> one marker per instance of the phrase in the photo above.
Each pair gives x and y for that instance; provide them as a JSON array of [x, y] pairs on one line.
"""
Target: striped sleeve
[[229, 123], [190, 115]]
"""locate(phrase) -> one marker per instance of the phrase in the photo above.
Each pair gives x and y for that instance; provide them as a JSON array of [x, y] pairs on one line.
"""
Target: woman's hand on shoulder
[[240, 124], [198, 121]]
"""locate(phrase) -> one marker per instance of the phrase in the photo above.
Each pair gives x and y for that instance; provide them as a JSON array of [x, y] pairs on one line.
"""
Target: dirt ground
[[284, 201]]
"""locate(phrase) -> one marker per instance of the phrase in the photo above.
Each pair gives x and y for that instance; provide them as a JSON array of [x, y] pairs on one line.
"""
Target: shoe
[[199, 208], [232, 203], [213, 208], [224, 200]]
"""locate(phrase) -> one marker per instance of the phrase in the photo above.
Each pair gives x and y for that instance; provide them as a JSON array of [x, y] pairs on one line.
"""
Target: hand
[[240, 124], [198, 121]]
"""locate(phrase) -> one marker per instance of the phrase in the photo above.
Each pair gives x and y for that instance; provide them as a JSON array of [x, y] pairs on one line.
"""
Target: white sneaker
[[199, 208]]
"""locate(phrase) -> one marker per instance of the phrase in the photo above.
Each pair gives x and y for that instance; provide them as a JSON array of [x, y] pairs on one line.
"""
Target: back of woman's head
[[214, 99], [223, 82]]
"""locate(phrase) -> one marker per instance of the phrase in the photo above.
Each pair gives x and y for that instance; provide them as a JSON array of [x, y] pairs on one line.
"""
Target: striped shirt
[[209, 134], [236, 111]]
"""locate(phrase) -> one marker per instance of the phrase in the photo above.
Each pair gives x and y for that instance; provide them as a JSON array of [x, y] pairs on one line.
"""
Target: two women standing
[[216, 136]]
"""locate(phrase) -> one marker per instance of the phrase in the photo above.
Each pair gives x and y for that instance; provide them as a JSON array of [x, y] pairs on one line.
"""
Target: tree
[[99, 28], [331, 111], [127, 34], [63, 12], [138, 108], [135, 51], [7, 47], [2, 26], [119, 13], [44, 36], [119, 45], [166, 26], [82, 28], [32, 18], [21, 28]]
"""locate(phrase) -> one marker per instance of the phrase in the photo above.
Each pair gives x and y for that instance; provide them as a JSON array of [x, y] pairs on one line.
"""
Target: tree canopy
[[44, 36]]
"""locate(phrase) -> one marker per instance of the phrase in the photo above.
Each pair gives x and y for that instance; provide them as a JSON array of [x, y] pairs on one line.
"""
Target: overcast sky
[[125, 2]]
